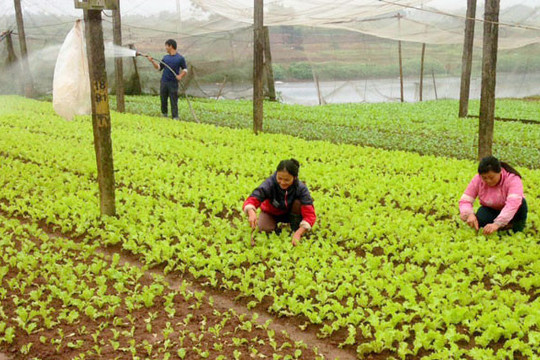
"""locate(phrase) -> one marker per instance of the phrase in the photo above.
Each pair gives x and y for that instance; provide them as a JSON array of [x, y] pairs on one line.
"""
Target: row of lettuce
[[389, 262], [66, 299], [431, 128]]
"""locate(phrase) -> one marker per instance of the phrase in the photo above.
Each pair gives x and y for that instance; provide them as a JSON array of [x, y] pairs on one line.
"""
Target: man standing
[[171, 66]]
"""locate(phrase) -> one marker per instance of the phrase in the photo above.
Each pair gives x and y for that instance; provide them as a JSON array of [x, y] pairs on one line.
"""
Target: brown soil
[[285, 331]]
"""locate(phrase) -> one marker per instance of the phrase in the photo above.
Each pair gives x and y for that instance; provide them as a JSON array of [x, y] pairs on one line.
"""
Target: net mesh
[[322, 51]]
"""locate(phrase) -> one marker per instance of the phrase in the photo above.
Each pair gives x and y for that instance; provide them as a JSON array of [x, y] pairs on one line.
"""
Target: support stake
[[258, 66], [466, 60], [489, 75], [101, 117]]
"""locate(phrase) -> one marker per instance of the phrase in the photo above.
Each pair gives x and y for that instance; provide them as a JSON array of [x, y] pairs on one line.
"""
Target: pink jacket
[[506, 196]]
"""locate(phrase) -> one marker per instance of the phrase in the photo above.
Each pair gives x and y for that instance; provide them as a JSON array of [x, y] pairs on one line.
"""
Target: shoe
[[164, 115], [175, 118]]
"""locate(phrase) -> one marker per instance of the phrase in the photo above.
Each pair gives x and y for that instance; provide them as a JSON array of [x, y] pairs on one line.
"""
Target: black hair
[[491, 163], [291, 166], [171, 43]]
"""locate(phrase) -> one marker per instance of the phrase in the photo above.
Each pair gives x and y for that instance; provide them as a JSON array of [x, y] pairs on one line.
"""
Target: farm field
[[430, 128], [67, 299], [388, 272]]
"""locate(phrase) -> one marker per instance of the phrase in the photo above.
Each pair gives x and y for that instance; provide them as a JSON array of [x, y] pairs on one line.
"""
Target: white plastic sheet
[[71, 84]]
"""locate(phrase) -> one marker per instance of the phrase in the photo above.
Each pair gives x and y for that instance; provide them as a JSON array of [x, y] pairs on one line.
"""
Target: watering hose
[[175, 74], [161, 62]]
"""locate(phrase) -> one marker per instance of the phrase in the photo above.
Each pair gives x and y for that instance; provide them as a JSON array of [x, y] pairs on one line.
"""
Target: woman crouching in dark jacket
[[282, 199]]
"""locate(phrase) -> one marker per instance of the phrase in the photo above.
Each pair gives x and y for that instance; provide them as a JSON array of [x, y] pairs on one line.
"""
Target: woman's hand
[[252, 218], [297, 235], [472, 221], [490, 228]]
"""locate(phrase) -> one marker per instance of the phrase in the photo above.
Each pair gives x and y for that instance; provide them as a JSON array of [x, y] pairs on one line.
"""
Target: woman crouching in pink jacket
[[500, 190]]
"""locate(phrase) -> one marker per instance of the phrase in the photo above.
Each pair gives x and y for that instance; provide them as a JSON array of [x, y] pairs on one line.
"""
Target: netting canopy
[[407, 20], [322, 51]]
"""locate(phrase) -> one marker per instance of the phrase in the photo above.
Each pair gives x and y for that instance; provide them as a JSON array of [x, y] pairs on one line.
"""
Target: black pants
[[268, 222], [487, 215], [169, 90]]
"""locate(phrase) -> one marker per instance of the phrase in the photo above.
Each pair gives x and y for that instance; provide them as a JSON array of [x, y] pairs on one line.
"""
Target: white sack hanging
[[71, 84]]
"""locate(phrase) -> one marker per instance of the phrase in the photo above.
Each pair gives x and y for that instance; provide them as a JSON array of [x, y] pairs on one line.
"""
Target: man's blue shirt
[[176, 62]]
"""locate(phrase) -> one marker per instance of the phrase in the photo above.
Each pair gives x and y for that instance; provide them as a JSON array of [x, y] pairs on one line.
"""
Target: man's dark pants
[[169, 90]]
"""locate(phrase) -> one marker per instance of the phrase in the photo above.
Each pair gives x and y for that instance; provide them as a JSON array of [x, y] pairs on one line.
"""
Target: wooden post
[[400, 71], [136, 88], [12, 58], [318, 87], [101, 118], [231, 46], [119, 64], [400, 60], [28, 81], [434, 84], [258, 69], [11, 61], [466, 60], [268, 66], [489, 66], [422, 70], [221, 87], [179, 20], [188, 78]]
